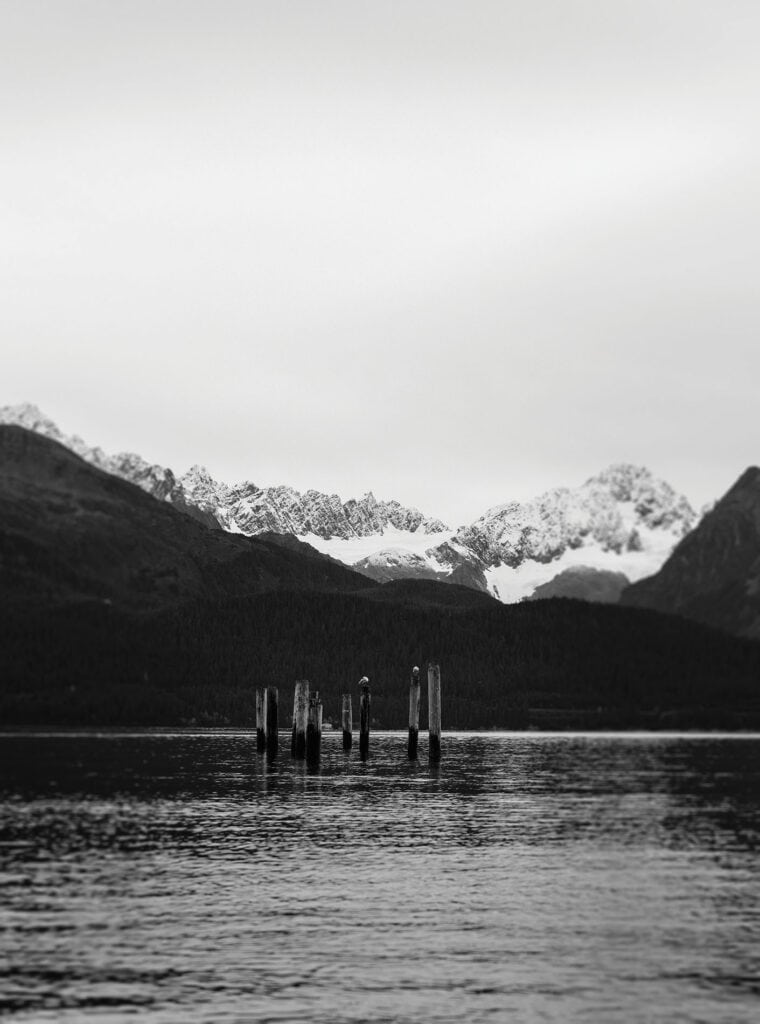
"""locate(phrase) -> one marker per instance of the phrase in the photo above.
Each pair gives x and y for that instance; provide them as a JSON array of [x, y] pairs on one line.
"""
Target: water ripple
[[182, 878]]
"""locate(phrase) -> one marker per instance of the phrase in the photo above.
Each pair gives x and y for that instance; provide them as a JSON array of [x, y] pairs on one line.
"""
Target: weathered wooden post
[[414, 712], [434, 711], [270, 720], [300, 719], [261, 742], [314, 729], [347, 721], [364, 718]]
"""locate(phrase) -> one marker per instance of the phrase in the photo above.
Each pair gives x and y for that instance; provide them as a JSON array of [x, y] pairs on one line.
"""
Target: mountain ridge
[[624, 519], [243, 507], [119, 609], [72, 532]]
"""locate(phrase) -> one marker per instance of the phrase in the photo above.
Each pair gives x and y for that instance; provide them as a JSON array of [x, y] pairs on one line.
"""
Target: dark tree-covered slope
[[546, 663], [713, 575], [70, 532]]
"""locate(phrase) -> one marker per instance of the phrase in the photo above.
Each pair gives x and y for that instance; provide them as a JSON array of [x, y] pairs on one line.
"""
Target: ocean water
[[529, 877]]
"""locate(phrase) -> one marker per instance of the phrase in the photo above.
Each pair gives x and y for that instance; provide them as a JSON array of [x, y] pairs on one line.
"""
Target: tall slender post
[[434, 711], [364, 718], [270, 720], [300, 719], [314, 729], [347, 722], [414, 712], [293, 730], [261, 742]]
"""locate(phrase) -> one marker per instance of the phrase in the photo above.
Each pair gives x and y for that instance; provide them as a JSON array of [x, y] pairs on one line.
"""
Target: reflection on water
[[529, 877]]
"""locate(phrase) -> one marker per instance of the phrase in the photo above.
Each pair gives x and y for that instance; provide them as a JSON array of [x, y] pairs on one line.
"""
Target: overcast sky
[[455, 253]]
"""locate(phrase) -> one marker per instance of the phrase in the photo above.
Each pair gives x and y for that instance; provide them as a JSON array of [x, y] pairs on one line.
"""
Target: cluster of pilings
[[306, 738]]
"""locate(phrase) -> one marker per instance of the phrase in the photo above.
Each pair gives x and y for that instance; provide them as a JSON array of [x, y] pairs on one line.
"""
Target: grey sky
[[453, 252]]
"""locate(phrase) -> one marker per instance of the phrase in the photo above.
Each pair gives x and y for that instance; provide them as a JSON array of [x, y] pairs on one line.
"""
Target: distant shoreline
[[231, 730]]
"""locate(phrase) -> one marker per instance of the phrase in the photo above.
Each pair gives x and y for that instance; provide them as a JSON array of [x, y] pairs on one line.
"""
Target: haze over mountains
[[623, 522]]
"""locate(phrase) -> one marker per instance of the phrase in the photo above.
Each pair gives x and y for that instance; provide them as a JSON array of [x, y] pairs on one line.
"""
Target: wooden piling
[[434, 711], [300, 719], [364, 704], [414, 712], [261, 742], [347, 721], [270, 720], [314, 729]]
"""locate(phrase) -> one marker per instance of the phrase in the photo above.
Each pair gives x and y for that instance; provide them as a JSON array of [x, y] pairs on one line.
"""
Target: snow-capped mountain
[[244, 507], [448, 562], [609, 510], [623, 520], [154, 479]]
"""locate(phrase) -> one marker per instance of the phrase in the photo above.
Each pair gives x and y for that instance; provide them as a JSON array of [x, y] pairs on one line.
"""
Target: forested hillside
[[551, 663]]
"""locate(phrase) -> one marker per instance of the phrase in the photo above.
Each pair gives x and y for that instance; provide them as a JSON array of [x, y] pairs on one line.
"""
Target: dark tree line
[[546, 663]]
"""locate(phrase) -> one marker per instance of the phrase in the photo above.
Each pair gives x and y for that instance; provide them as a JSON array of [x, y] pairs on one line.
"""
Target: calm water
[[180, 878]]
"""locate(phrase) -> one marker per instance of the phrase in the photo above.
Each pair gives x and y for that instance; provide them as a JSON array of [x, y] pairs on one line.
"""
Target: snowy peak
[[32, 418], [156, 480], [655, 503], [617, 511], [447, 563], [283, 510], [244, 507], [367, 515], [395, 563], [200, 489]]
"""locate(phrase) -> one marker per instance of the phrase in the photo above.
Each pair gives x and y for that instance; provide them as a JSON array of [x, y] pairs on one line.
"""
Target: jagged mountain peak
[[26, 414], [655, 502], [197, 472], [622, 479], [617, 510], [198, 476], [245, 507], [31, 417]]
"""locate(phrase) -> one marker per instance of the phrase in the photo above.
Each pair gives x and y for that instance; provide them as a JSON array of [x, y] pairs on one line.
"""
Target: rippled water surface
[[531, 877]]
